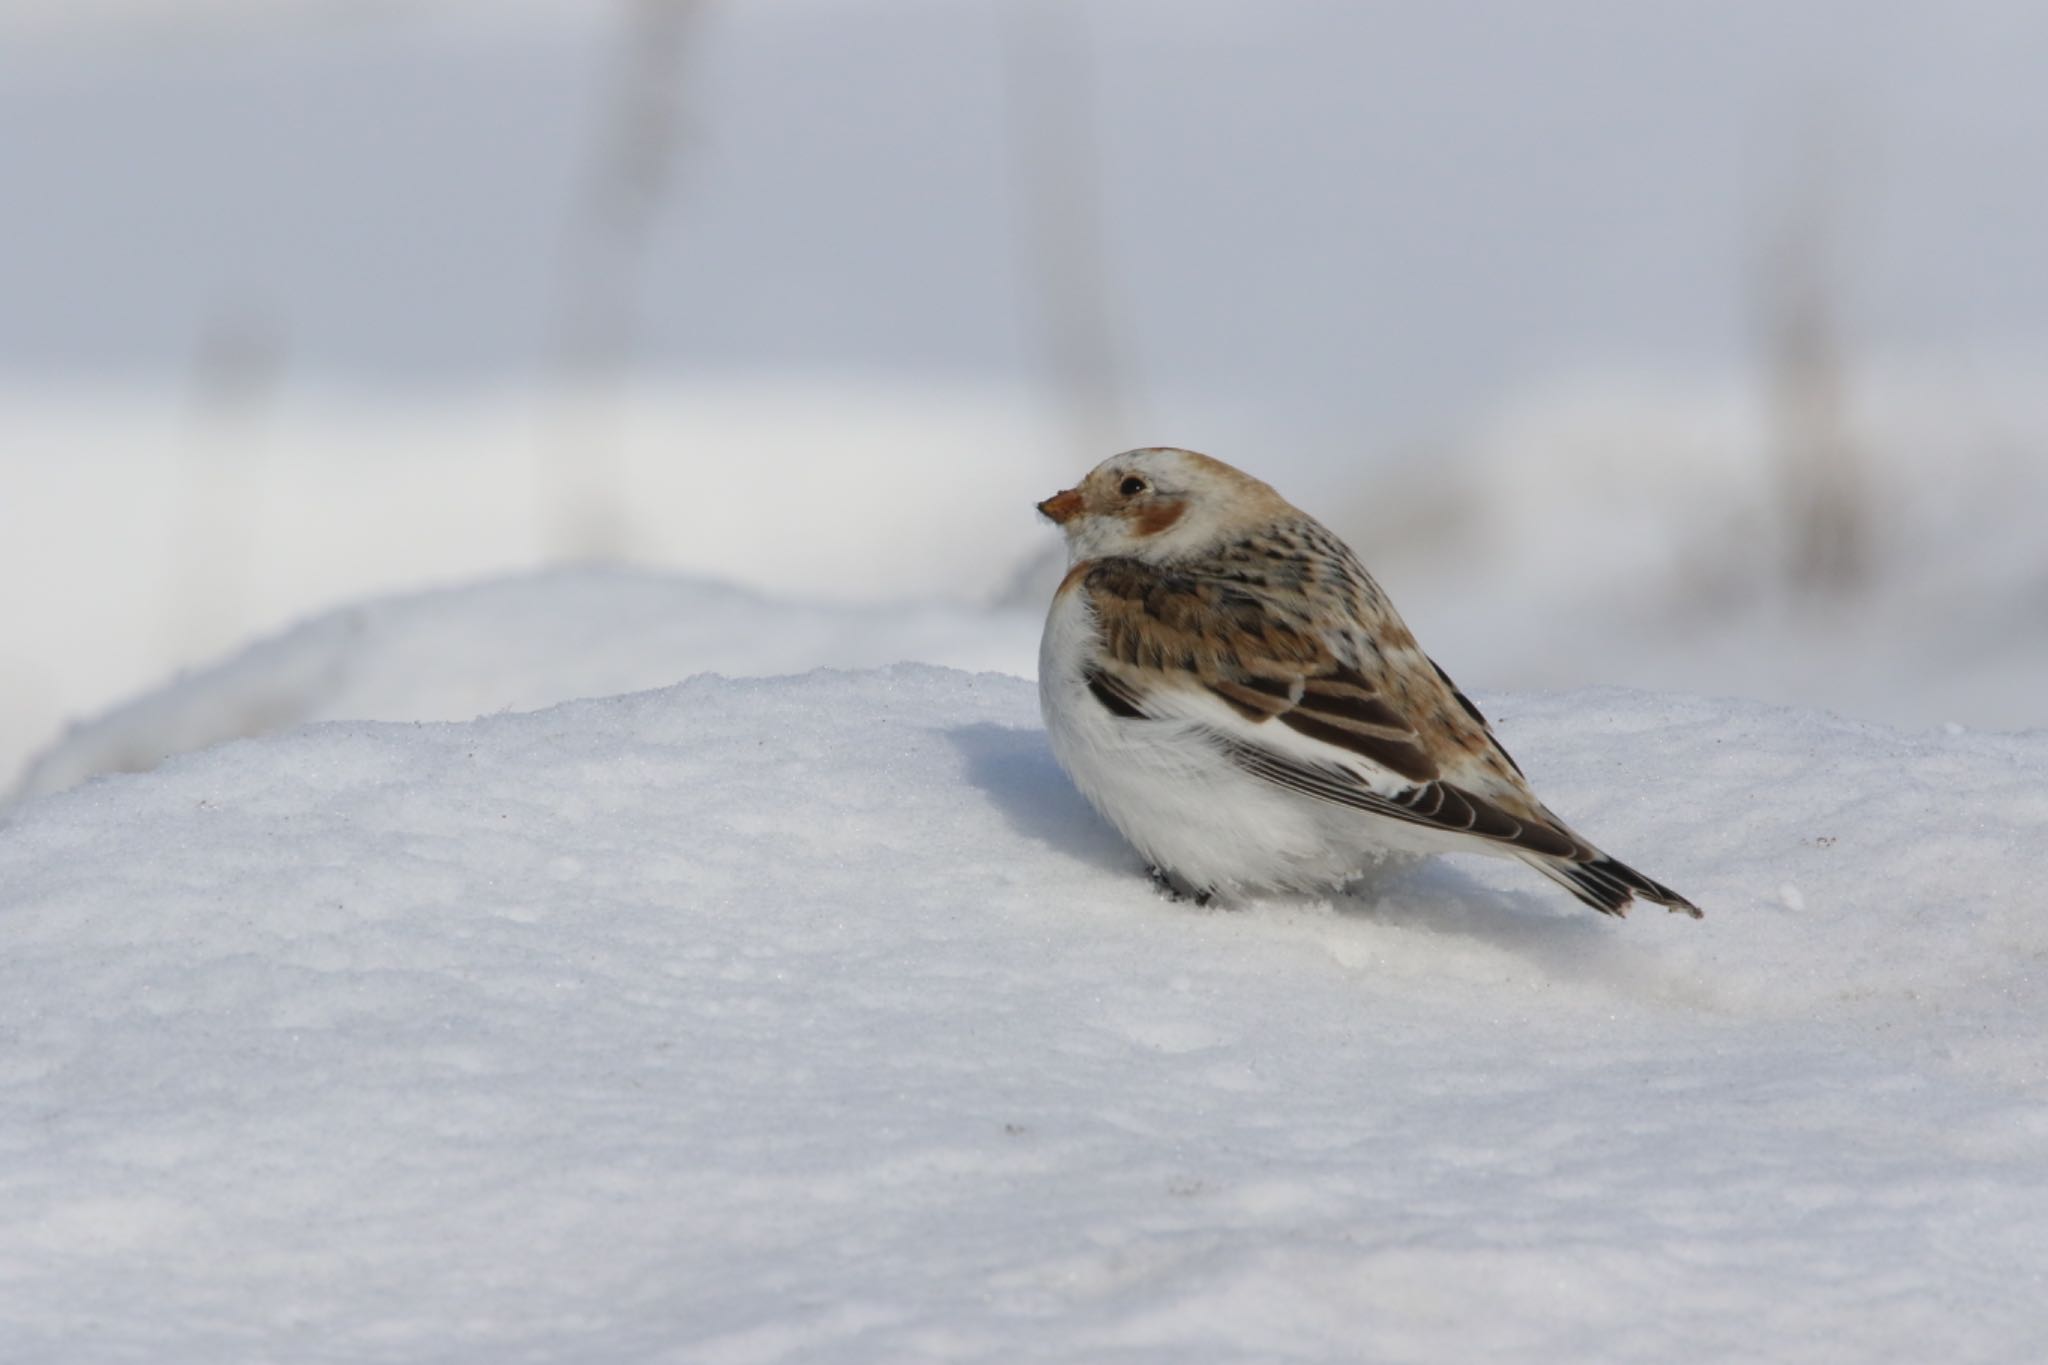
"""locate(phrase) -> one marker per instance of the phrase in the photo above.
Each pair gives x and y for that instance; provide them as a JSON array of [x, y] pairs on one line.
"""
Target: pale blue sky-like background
[[1383, 214]]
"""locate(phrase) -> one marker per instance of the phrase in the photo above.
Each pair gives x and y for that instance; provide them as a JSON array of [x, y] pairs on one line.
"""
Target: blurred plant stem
[[629, 178], [1823, 477], [236, 369], [1055, 154]]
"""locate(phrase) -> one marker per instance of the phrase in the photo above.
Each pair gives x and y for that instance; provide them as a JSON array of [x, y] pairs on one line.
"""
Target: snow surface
[[817, 1018], [514, 645]]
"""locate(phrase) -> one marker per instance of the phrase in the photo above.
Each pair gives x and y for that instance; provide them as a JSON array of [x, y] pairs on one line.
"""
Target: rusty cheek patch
[[1155, 517], [1062, 507]]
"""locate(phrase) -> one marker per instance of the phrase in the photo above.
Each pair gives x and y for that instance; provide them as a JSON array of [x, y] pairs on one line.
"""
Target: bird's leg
[[1174, 889]]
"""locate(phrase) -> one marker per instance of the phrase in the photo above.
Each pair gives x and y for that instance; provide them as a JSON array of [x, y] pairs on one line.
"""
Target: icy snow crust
[[816, 1018]]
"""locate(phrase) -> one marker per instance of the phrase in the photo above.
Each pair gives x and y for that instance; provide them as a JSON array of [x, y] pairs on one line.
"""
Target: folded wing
[[1380, 725]]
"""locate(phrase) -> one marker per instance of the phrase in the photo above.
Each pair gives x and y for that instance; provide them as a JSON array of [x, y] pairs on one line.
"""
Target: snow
[[517, 644], [816, 1017], [150, 536]]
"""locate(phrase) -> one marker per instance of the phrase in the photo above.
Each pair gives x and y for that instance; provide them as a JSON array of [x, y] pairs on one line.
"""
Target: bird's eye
[[1131, 487]]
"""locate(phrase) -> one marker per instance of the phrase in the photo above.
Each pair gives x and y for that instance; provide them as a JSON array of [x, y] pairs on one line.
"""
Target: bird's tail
[[1607, 884]]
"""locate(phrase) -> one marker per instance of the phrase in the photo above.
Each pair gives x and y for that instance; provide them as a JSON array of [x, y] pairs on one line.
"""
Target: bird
[[1227, 685]]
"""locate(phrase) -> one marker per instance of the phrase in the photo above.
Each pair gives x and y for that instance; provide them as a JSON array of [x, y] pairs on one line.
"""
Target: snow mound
[[817, 1018], [513, 645]]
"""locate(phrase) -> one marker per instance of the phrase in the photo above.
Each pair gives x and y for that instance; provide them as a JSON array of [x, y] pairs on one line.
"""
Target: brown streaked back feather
[[1251, 624]]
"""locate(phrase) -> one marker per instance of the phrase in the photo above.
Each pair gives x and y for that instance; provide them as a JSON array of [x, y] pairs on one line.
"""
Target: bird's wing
[[1383, 731]]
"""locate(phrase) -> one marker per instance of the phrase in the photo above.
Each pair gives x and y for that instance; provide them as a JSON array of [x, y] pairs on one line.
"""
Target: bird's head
[[1160, 504]]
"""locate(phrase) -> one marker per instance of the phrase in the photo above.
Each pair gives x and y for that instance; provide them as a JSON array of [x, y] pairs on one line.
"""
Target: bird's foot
[[1174, 889]]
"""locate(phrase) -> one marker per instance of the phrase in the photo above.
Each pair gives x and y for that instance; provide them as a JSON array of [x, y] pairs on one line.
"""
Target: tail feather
[[1609, 885]]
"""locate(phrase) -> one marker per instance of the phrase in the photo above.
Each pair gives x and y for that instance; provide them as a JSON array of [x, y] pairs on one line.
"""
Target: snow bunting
[[1224, 682]]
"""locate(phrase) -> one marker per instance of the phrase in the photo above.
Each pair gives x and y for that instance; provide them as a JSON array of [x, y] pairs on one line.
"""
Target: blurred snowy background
[[1684, 345]]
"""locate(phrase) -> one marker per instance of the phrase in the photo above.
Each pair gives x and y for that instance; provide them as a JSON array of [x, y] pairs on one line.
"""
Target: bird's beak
[[1062, 507]]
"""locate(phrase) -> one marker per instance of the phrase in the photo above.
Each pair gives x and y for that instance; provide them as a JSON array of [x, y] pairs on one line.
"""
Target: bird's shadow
[[1439, 898], [1016, 769]]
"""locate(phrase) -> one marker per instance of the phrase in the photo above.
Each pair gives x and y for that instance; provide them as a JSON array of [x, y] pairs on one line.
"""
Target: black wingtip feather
[[1608, 886], [1598, 880]]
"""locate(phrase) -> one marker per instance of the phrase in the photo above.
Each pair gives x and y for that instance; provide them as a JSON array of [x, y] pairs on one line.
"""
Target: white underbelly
[[1181, 802]]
